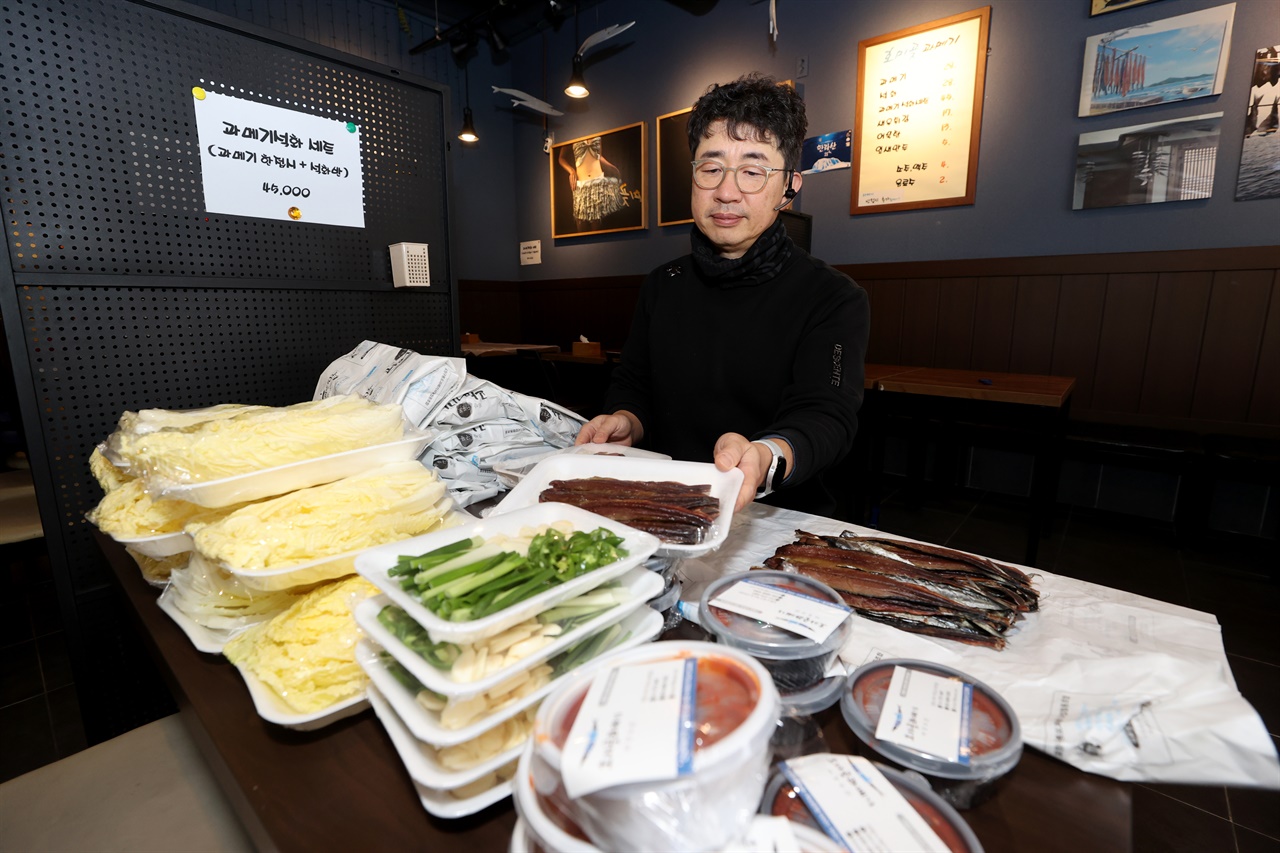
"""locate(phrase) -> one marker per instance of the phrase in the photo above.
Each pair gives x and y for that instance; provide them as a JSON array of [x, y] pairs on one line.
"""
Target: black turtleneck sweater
[[771, 344]]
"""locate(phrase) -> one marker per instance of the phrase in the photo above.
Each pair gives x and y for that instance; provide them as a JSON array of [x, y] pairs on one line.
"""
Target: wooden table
[[1035, 404], [484, 349], [344, 788]]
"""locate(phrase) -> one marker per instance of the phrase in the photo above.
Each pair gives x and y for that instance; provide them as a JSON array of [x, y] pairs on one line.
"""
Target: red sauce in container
[[787, 803], [989, 726], [727, 694]]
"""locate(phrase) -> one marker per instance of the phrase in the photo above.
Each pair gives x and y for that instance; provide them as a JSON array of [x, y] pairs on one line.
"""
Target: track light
[[577, 87]]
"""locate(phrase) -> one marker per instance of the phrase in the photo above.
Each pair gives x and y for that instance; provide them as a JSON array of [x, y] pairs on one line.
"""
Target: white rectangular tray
[[272, 709], [724, 487], [200, 637], [437, 802], [641, 585], [643, 625], [374, 564], [159, 546], [282, 479]]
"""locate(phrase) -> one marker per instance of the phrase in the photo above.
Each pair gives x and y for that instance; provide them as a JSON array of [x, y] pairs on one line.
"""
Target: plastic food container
[[781, 800], [737, 711], [540, 828], [375, 563], [994, 733], [796, 663], [724, 488]]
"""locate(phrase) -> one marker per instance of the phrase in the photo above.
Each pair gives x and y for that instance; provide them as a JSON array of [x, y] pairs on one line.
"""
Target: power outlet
[[802, 66]]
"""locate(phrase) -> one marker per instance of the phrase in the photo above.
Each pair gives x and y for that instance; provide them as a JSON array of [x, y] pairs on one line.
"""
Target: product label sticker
[[636, 724], [770, 835], [856, 805], [783, 608], [928, 713]]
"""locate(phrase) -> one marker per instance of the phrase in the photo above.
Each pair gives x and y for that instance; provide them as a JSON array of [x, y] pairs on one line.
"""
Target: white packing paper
[[1112, 683]]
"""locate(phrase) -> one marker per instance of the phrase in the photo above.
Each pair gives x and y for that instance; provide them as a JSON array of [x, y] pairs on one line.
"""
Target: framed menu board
[[919, 115]]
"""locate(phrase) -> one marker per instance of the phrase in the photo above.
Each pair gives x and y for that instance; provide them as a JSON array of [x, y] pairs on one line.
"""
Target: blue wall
[[1028, 141]]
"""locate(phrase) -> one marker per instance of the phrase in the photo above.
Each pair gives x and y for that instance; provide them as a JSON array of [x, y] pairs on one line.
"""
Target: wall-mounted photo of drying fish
[[922, 588]]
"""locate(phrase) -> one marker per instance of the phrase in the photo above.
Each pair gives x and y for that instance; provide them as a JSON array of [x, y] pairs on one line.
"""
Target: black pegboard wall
[[102, 155], [128, 295], [97, 352]]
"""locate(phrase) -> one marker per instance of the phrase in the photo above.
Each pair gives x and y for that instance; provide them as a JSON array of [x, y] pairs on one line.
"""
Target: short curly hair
[[755, 107]]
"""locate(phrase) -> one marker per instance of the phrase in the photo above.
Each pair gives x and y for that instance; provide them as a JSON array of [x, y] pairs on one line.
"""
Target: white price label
[[856, 805], [928, 713], [636, 724], [783, 608]]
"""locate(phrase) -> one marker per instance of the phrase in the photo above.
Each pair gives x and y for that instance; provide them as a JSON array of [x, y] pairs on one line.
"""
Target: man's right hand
[[619, 428]]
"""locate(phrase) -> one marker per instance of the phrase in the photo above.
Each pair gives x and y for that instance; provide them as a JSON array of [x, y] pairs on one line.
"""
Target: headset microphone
[[786, 198]]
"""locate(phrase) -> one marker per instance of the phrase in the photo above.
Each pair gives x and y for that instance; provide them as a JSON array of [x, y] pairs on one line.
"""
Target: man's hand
[[619, 428], [736, 451]]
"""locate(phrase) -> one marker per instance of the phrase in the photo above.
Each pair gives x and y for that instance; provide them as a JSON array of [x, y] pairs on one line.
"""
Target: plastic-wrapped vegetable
[[257, 438], [307, 653], [387, 504], [109, 477], [128, 512], [219, 602]]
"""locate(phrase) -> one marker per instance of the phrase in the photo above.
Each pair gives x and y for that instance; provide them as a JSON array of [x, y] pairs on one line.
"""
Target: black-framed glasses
[[750, 178]]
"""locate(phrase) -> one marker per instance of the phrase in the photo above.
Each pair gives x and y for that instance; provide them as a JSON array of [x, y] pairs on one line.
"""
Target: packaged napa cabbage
[[146, 421], [128, 512], [219, 602], [387, 504], [109, 477], [157, 570], [306, 654], [257, 438]]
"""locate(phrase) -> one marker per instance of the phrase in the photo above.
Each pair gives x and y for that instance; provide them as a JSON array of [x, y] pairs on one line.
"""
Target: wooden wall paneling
[[1035, 313], [957, 305], [919, 321], [1264, 406], [1173, 351], [1122, 345], [885, 345], [993, 323], [1238, 307], [1076, 334], [491, 309]]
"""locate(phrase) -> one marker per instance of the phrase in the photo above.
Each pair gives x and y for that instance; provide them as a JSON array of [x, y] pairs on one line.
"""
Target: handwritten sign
[[273, 163], [919, 115]]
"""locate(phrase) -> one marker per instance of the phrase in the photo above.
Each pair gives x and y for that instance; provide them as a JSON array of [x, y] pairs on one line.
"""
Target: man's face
[[730, 218]]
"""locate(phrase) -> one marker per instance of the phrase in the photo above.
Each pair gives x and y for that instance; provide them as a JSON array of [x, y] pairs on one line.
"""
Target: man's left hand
[[733, 450]]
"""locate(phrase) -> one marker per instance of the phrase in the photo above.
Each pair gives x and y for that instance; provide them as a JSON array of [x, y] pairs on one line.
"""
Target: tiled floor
[[39, 713], [1145, 558], [39, 718]]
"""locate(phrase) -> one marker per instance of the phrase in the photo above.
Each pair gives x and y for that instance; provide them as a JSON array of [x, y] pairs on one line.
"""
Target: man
[[747, 352]]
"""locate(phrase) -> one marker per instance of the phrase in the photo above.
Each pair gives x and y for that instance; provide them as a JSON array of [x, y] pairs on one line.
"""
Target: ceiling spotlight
[[496, 41], [468, 132], [577, 87]]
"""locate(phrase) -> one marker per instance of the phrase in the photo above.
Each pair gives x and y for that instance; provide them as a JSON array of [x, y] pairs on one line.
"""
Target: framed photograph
[[1174, 59], [675, 176], [1259, 175], [1101, 7], [919, 115], [598, 183], [1147, 163]]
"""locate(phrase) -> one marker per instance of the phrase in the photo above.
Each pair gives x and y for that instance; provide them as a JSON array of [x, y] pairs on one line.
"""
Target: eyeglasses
[[751, 178]]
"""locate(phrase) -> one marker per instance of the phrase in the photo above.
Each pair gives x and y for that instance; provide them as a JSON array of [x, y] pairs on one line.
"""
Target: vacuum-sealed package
[[387, 374]]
